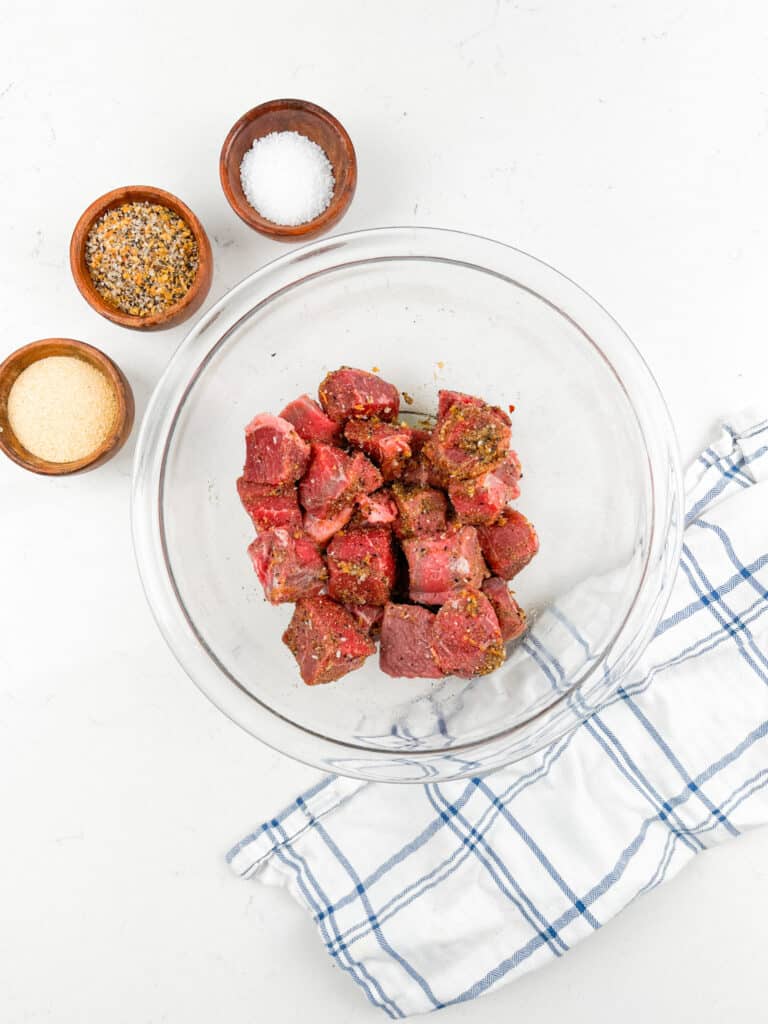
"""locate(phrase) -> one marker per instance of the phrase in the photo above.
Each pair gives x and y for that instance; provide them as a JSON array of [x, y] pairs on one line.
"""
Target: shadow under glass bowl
[[429, 309]]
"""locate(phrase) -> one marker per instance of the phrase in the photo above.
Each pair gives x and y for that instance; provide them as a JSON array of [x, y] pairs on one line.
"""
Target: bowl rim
[[339, 201], [173, 315], [364, 247]]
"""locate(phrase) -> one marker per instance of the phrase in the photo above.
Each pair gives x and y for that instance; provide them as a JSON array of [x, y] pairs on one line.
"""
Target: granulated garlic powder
[[61, 408]]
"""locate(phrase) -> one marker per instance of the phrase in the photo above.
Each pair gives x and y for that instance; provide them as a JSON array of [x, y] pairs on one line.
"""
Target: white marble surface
[[625, 143]]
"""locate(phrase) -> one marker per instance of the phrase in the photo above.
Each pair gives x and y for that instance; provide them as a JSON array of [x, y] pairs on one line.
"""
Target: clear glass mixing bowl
[[431, 309]]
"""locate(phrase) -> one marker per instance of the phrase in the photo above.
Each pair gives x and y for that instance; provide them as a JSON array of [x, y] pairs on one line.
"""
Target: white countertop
[[625, 143]]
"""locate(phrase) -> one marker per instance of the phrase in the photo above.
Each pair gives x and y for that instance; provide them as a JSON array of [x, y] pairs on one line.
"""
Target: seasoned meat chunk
[[511, 616], [445, 399], [321, 530], [481, 499], [289, 565], [334, 479], [348, 394], [387, 444], [367, 616], [420, 510], [468, 441], [378, 508], [310, 421], [325, 640], [270, 505], [361, 566], [466, 639], [440, 564], [406, 642], [508, 545], [274, 452]]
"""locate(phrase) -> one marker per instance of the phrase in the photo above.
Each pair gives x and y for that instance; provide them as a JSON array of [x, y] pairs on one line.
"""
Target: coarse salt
[[287, 178], [61, 408]]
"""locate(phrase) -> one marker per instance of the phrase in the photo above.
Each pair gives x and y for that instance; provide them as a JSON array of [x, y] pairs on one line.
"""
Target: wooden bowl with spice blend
[[64, 407], [288, 169], [141, 258]]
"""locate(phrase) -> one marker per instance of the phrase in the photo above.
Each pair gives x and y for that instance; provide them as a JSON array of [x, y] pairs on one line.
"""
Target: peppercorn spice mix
[[142, 258]]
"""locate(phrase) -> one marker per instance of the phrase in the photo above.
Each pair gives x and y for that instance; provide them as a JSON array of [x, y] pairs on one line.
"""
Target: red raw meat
[[269, 505], [289, 566], [441, 563], [469, 440], [361, 566], [420, 510], [334, 479], [406, 642], [325, 640], [481, 500], [419, 438], [508, 545], [378, 508], [347, 394], [511, 616], [466, 639], [367, 616], [321, 530], [310, 421], [274, 452], [445, 399], [388, 444]]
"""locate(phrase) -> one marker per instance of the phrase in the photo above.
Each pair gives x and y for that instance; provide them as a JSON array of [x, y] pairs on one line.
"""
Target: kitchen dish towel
[[436, 894]]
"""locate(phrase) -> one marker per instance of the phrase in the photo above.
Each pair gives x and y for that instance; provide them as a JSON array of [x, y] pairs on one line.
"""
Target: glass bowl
[[430, 309]]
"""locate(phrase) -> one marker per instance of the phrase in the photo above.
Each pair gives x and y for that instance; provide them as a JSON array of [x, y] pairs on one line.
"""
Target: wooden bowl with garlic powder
[[64, 407]]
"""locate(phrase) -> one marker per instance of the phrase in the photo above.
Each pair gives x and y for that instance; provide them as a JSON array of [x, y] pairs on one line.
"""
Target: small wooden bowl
[[175, 314], [289, 116], [24, 357]]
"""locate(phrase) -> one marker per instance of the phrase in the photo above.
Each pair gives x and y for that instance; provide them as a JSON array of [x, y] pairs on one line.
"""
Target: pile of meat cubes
[[374, 528]]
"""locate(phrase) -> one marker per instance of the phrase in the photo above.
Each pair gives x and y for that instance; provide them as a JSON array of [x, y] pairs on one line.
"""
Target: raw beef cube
[[274, 452], [509, 613], [349, 394], [442, 563], [334, 479], [419, 438], [417, 471], [508, 545], [406, 642], [388, 444], [367, 616], [466, 636], [269, 505], [310, 421], [420, 510], [361, 566], [378, 508], [321, 530], [445, 399], [325, 640], [370, 478], [469, 440], [466, 639], [481, 500], [289, 566]]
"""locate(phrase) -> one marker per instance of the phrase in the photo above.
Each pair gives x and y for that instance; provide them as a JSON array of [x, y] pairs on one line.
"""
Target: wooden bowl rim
[[18, 361], [175, 314], [338, 204]]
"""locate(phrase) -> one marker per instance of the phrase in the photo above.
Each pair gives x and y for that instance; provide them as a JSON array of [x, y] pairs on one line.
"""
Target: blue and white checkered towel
[[435, 894]]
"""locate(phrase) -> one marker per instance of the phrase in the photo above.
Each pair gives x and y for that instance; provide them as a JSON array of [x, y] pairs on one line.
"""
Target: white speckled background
[[625, 143]]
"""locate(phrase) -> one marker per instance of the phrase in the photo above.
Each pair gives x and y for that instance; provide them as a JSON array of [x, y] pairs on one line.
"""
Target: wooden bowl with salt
[[173, 314], [315, 124], [110, 424]]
